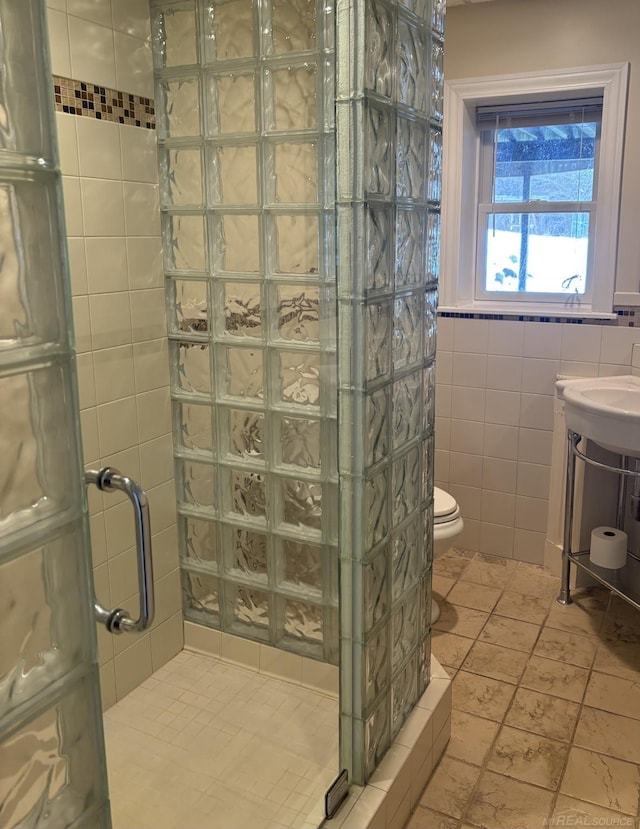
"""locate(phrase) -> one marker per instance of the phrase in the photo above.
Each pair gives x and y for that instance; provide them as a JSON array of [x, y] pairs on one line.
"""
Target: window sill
[[529, 309]]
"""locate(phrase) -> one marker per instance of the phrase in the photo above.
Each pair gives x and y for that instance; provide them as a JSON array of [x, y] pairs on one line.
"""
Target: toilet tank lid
[[443, 503]]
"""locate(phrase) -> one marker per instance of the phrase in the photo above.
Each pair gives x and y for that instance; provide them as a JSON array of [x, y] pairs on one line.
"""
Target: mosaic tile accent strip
[[627, 317], [103, 104]]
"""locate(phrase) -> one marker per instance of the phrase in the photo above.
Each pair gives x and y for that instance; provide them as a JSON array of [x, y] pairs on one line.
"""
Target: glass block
[[189, 302], [406, 485], [303, 620], [377, 735], [419, 7], [231, 103], [410, 245], [296, 244], [429, 397], [296, 173], [427, 468], [377, 666], [242, 309], [434, 186], [179, 107], [433, 246], [378, 336], [424, 591], [379, 249], [231, 26], [404, 693], [239, 243], [438, 8], [248, 607], [181, 178], [376, 589], [237, 168], [301, 564], [376, 508], [424, 664], [295, 97], [47, 636], [248, 493], [301, 503], [437, 80], [194, 426], [243, 372], [407, 325], [200, 540], [293, 24], [193, 367], [246, 553], [377, 426], [430, 323], [378, 73], [299, 313], [411, 159], [50, 768], [412, 55], [174, 35], [244, 432], [379, 155], [427, 536], [300, 441], [407, 414], [405, 557], [185, 243], [197, 484], [201, 597], [405, 623], [299, 378]]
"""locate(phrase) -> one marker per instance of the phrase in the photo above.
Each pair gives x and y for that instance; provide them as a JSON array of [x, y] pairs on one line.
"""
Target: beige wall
[[113, 226], [509, 36]]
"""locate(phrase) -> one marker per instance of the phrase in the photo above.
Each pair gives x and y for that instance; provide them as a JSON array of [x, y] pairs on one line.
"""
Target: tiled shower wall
[[113, 227], [494, 419]]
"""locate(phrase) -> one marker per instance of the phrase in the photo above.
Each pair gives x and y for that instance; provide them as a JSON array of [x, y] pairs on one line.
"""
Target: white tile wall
[[494, 419], [115, 257]]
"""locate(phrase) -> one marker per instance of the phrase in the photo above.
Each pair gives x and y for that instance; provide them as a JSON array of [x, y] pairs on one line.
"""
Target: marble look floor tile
[[543, 714], [566, 647], [609, 733], [614, 693], [427, 819], [528, 757], [622, 622], [580, 813], [450, 787], [510, 633], [475, 596], [490, 575], [532, 609], [550, 677], [450, 650], [450, 566], [461, 620], [618, 658], [495, 662], [481, 696], [460, 552], [471, 737], [533, 582], [606, 781], [441, 586], [578, 617], [503, 803]]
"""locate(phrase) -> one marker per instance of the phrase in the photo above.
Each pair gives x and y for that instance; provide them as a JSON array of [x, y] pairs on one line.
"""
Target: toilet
[[447, 524]]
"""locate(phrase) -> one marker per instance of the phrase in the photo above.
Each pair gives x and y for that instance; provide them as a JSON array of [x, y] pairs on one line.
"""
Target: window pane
[[537, 252], [548, 163]]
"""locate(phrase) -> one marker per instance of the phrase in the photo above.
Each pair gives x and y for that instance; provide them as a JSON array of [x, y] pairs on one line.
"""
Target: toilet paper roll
[[608, 547]]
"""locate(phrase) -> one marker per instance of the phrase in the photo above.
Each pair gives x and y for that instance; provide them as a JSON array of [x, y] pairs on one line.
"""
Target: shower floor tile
[[205, 744]]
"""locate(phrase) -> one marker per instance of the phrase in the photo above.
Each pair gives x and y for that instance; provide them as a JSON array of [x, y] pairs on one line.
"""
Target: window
[[531, 189]]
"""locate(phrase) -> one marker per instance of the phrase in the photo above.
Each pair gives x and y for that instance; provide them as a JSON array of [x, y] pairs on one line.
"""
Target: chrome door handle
[[118, 620]]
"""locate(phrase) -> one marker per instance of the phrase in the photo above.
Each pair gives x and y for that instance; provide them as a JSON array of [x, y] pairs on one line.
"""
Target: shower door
[[52, 771]]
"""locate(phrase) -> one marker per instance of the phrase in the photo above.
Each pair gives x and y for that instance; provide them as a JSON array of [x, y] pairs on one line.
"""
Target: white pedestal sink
[[605, 410]]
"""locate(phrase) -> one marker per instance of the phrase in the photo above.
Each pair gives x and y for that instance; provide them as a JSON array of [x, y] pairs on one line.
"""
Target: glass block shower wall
[[389, 152], [245, 96]]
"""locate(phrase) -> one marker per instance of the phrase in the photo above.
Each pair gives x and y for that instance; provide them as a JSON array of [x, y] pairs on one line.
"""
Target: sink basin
[[605, 410]]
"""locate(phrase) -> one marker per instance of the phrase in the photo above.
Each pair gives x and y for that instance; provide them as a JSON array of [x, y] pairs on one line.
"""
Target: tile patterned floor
[[546, 702], [204, 744]]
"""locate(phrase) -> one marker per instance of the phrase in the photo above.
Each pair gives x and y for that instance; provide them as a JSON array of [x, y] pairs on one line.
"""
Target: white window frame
[[461, 182]]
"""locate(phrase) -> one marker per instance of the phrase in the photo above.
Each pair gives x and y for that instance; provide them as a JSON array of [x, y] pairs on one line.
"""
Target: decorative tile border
[[103, 104], [627, 317]]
